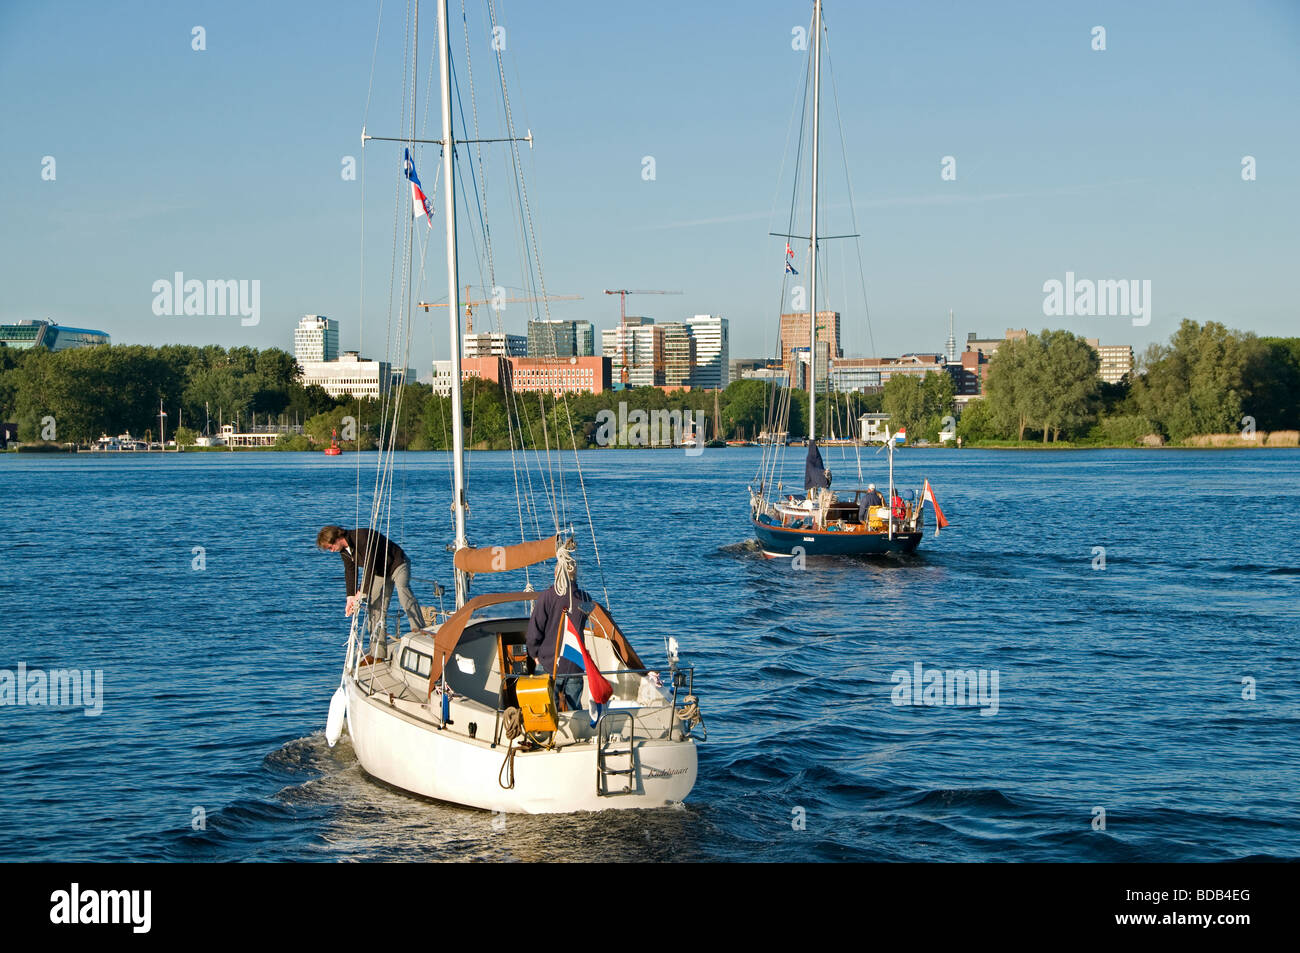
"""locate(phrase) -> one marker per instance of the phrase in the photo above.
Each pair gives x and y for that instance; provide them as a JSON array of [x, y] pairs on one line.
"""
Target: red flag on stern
[[939, 521]]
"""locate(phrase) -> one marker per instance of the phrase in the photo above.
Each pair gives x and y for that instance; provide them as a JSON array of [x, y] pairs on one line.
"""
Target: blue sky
[[225, 163]]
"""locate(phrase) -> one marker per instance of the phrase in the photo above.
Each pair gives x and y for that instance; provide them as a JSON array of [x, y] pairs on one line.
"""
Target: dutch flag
[[419, 199], [939, 521], [571, 648]]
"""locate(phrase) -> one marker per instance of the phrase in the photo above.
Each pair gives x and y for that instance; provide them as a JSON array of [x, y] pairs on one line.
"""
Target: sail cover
[[478, 559]]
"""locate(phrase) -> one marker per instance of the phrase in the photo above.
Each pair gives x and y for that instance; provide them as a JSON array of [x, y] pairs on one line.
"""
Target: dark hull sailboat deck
[[782, 541], [792, 527]]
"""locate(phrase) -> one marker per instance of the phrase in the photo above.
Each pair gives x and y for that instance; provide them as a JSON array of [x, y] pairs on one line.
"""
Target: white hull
[[412, 753]]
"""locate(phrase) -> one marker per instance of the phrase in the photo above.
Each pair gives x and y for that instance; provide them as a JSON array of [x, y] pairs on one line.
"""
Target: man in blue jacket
[[544, 637]]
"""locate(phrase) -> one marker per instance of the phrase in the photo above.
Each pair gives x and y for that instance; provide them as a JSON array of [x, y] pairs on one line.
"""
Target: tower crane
[[622, 321], [469, 305]]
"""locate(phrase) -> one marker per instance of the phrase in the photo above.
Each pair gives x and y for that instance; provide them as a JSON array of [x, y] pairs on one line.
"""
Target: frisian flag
[[420, 201], [939, 521], [573, 649]]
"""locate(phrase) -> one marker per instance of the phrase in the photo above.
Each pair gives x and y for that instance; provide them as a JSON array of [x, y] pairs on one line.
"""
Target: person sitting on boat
[[385, 568], [543, 635], [869, 499], [814, 471]]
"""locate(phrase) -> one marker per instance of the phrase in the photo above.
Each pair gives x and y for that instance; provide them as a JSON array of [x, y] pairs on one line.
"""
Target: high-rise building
[[795, 333], [554, 337], [638, 344], [494, 344], [712, 350], [316, 338], [679, 355]]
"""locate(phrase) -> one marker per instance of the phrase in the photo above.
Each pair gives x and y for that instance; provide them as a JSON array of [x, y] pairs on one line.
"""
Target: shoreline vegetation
[[1280, 439], [1208, 387]]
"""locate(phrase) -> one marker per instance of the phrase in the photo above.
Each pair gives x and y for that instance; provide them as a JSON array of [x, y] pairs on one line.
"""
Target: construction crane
[[469, 305], [622, 322]]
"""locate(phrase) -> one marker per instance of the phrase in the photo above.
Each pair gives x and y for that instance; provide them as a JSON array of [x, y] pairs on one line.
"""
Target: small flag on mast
[[789, 269], [420, 200], [789, 253], [939, 521]]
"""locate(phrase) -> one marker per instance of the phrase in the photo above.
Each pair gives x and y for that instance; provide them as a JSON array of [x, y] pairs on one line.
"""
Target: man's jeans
[[381, 593]]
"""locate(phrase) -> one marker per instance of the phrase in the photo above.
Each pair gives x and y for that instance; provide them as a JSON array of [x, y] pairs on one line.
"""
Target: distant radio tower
[[952, 341]]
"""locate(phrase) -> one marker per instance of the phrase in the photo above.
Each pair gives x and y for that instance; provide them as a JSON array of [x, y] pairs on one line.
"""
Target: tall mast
[[453, 299], [812, 296]]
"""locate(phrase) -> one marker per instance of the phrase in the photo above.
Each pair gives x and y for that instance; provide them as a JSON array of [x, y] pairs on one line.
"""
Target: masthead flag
[[939, 521], [419, 199]]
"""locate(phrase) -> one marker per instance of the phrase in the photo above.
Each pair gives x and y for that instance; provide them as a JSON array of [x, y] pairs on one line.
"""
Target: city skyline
[[1092, 170]]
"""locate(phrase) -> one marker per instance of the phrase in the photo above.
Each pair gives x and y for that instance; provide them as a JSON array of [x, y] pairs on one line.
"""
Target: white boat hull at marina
[[415, 755]]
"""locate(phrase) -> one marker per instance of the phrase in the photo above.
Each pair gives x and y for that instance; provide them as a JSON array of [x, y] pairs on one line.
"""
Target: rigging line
[[550, 471], [478, 255], [374, 56], [480, 182], [853, 214], [591, 526], [392, 271], [519, 181], [532, 438], [770, 388], [382, 500], [514, 469]]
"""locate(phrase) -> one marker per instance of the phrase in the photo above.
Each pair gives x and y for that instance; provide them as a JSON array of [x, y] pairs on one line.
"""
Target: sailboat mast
[[453, 298], [812, 296]]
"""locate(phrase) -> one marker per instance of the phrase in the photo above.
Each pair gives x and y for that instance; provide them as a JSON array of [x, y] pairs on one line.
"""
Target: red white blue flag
[[420, 201], [573, 649], [789, 268]]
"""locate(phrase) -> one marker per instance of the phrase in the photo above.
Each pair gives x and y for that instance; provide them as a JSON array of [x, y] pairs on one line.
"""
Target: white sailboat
[[452, 712]]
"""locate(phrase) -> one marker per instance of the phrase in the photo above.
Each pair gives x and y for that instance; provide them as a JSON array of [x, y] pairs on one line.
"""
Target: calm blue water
[[1119, 688]]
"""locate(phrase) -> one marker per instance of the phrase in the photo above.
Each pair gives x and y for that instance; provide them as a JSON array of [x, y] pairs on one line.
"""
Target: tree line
[[1207, 379], [116, 388]]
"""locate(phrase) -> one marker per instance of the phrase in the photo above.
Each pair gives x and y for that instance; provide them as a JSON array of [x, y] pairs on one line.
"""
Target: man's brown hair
[[327, 536]]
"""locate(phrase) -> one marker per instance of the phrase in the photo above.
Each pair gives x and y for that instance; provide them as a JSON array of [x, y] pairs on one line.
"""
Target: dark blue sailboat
[[819, 522]]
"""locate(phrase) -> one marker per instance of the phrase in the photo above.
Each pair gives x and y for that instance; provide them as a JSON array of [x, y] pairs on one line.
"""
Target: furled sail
[[476, 559]]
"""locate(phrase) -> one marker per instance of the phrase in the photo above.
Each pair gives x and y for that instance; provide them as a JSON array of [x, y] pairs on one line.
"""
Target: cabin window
[[417, 663]]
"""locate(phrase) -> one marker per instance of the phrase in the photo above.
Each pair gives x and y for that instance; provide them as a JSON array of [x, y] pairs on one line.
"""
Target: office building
[[25, 335], [712, 350], [316, 338]]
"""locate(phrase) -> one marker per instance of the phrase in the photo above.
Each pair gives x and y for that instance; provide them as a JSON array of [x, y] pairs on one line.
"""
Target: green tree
[[1196, 384], [978, 422], [1070, 384]]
